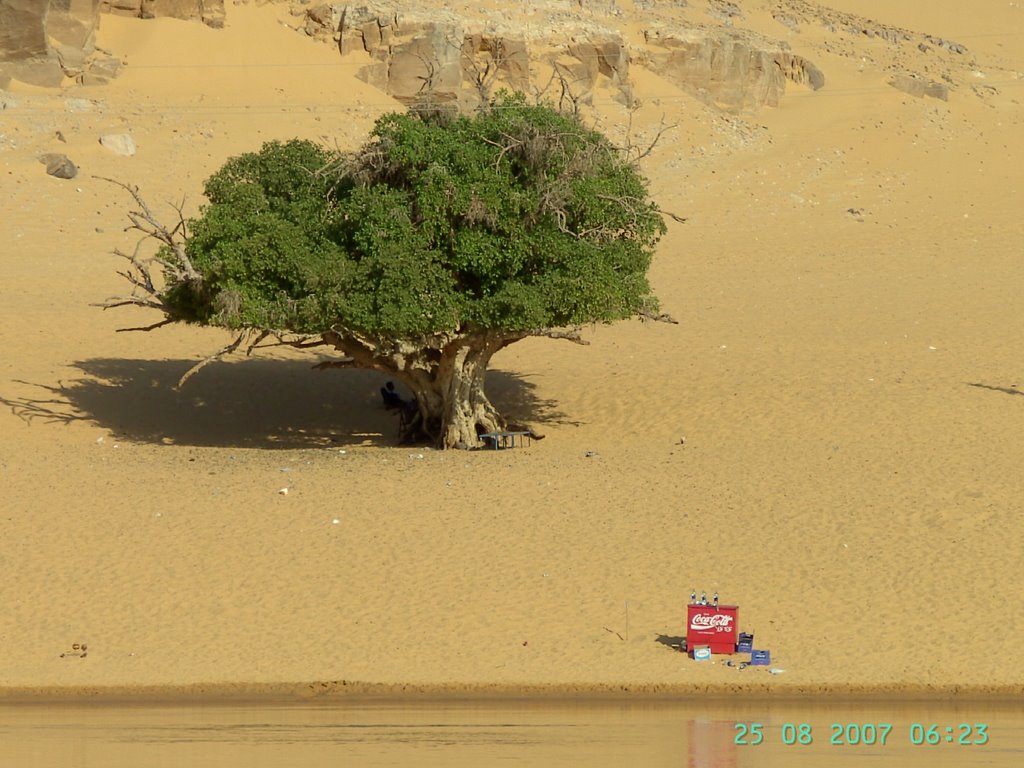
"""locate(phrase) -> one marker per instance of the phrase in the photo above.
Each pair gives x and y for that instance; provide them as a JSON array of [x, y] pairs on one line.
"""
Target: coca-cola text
[[719, 622]]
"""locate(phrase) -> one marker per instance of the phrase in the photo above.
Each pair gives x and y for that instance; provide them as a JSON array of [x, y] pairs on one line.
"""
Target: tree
[[438, 243]]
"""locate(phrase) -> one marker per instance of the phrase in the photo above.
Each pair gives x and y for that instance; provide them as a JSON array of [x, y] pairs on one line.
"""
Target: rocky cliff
[[458, 52], [458, 58], [47, 42], [44, 41], [210, 12]]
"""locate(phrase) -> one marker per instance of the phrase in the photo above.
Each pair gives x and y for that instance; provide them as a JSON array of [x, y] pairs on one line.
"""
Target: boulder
[[918, 86], [101, 70], [119, 143], [59, 166]]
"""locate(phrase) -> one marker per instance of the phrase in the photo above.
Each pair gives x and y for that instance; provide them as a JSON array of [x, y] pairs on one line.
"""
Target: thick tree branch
[[572, 335], [153, 327], [345, 362], [657, 318], [132, 301], [676, 217]]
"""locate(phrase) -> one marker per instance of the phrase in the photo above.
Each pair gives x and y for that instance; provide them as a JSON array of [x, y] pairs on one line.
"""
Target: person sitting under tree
[[391, 398]]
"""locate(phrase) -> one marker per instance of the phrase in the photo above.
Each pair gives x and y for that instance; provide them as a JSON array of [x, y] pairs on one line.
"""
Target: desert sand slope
[[830, 437]]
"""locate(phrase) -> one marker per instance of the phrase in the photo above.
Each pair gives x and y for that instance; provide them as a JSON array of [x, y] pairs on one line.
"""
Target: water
[[692, 734]]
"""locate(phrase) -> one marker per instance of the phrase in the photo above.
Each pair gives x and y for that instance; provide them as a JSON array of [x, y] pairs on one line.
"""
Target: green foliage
[[517, 218]]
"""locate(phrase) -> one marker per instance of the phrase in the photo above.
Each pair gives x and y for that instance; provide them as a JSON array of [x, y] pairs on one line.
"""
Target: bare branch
[[575, 99], [302, 344], [538, 93], [635, 152], [154, 326], [680, 219], [614, 633], [146, 222], [214, 357], [130, 301], [566, 93], [514, 143], [139, 276], [143, 279], [182, 226], [428, 80], [483, 75], [572, 335], [260, 337], [657, 318]]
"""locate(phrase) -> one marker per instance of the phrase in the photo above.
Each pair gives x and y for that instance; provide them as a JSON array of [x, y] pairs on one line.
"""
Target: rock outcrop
[[210, 12], [45, 42], [419, 52], [726, 68], [918, 86], [427, 50], [454, 58], [416, 53], [22, 30], [42, 42]]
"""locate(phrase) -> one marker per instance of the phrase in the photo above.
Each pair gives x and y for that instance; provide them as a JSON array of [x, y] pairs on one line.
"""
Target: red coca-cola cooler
[[713, 626]]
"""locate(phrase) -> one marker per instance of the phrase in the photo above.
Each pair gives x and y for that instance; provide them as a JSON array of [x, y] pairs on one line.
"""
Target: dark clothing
[[391, 398]]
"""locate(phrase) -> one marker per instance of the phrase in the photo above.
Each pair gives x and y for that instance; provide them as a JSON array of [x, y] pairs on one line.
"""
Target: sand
[[830, 437]]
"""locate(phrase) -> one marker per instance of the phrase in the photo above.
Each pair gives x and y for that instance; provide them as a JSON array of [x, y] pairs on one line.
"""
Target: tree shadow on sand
[[246, 404]]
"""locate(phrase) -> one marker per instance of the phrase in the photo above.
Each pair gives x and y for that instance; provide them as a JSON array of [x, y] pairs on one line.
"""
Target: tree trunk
[[453, 406], [450, 409]]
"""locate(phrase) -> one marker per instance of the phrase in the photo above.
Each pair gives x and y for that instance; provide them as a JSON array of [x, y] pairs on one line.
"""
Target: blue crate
[[745, 644], [760, 658]]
